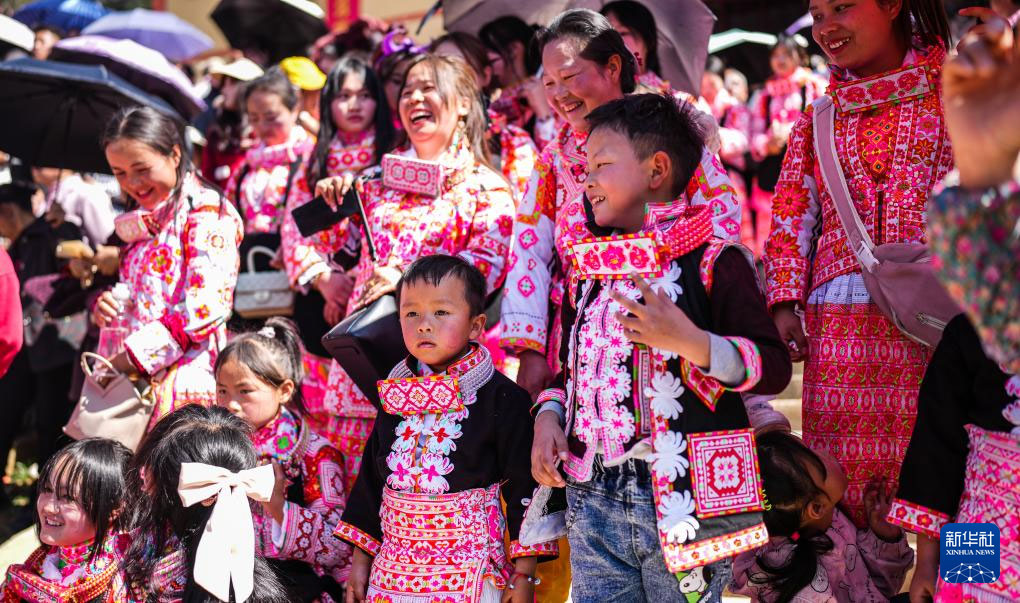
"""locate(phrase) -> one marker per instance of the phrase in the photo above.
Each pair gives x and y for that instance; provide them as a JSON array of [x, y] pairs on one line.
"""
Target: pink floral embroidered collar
[[299, 145], [781, 86], [917, 77], [407, 393], [280, 439]]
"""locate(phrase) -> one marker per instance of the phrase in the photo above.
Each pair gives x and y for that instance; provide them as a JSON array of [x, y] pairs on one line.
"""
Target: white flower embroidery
[[677, 517], [665, 392], [668, 284], [403, 473], [433, 468], [668, 460]]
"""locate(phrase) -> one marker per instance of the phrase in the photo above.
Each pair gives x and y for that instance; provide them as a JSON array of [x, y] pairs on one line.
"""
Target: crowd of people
[[601, 283]]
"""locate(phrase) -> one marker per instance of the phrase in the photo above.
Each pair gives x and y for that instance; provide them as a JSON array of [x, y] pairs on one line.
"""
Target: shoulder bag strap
[[835, 181], [291, 172]]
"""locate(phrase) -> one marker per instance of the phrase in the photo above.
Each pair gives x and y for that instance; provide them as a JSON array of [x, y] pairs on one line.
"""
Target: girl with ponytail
[[258, 379], [861, 374], [812, 554]]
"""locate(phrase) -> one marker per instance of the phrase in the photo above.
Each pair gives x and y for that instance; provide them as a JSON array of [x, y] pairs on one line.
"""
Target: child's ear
[[815, 510], [477, 326], [286, 391], [660, 170]]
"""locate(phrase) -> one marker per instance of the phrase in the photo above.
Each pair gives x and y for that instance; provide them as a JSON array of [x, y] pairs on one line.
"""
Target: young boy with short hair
[[453, 434], [666, 326]]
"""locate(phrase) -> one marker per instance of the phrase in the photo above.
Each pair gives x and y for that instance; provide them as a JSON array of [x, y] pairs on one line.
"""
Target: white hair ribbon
[[226, 551]]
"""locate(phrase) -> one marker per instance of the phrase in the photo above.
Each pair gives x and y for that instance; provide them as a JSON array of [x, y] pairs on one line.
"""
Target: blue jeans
[[614, 543]]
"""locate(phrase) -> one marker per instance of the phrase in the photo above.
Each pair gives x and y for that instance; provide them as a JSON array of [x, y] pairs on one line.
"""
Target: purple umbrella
[[177, 39], [143, 67]]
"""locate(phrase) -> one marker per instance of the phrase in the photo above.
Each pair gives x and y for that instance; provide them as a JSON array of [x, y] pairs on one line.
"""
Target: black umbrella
[[54, 114], [280, 28]]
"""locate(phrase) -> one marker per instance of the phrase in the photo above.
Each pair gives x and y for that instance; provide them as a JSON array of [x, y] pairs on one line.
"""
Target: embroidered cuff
[[358, 538], [685, 557], [751, 359], [726, 366], [545, 549], [787, 280], [522, 333], [153, 347], [916, 518], [175, 326], [555, 407], [519, 344], [550, 395]]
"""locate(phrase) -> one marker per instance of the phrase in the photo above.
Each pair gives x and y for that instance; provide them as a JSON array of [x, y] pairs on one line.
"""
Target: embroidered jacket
[[517, 154], [623, 400], [66, 574], [472, 218], [551, 216], [860, 568], [302, 261], [892, 143], [315, 499], [182, 281], [962, 386], [782, 102], [513, 106], [266, 170], [168, 580], [482, 439]]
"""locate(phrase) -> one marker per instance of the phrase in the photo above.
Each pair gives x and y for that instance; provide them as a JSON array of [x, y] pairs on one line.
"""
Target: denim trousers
[[614, 543]]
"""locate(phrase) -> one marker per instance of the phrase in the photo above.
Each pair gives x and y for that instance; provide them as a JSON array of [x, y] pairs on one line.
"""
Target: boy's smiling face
[[436, 321], [618, 184]]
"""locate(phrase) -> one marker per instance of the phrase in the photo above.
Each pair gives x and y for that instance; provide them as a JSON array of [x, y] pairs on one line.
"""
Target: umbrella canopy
[[281, 28], [470, 15], [177, 39], [143, 67], [53, 114], [734, 37], [67, 15], [684, 27], [16, 33]]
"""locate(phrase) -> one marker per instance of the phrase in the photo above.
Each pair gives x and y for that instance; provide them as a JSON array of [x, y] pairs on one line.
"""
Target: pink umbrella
[[143, 67]]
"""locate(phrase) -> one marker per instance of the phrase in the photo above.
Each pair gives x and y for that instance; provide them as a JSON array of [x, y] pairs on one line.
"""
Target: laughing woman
[[861, 376], [181, 267], [472, 215]]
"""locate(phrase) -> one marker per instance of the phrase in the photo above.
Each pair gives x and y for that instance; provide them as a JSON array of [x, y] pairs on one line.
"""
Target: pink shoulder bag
[[898, 276]]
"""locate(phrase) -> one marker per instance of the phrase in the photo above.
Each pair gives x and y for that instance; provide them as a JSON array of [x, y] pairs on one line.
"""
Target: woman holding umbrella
[[181, 265]]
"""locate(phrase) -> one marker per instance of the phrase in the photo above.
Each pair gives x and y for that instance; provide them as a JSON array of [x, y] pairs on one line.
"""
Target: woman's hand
[[384, 280], [659, 323], [357, 581], [926, 572], [275, 505], [534, 92], [335, 287], [106, 309], [107, 259], [791, 330], [334, 188], [549, 446], [534, 373], [981, 96], [878, 497]]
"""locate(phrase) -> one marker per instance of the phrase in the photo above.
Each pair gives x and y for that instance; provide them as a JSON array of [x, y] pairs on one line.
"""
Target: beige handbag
[[116, 409], [263, 294]]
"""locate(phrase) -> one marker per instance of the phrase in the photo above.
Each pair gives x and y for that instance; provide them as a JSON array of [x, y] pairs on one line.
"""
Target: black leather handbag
[[368, 344]]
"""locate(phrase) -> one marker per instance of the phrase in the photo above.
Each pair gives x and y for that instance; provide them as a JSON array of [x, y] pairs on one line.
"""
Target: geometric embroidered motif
[[617, 257], [411, 175], [724, 472], [418, 395]]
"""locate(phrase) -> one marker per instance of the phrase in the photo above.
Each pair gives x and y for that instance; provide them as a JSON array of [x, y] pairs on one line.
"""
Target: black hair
[[500, 33], [273, 359], [475, 53], [925, 19], [18, 194], [784, 461], [385, 66], [155, 130], [790, 44], [653, 123], [93, 473], [432, 269], [58, 31], [600, 41], [190, 434], [385, 133], [273, 81], [637, 18], [715, 65]]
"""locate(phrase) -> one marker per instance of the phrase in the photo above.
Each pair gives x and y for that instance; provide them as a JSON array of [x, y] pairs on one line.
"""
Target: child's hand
[[523, 591], [659, 323], [357, 582], [275, 505], [878, 498], [926, 572], [534, 373], [549, 445]]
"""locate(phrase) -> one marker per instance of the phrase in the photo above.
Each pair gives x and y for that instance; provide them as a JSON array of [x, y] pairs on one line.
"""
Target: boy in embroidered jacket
[[453, 435], [655, 425]]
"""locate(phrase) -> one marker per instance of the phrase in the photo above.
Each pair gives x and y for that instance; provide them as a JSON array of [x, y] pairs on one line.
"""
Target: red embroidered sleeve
[[795, 213], [916, 518], [358, 538], [545, 549]]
